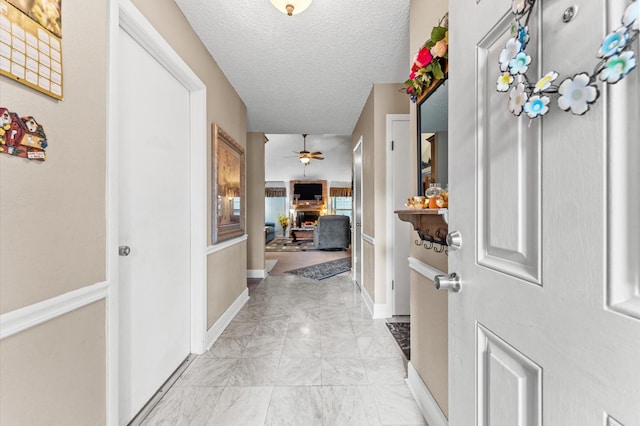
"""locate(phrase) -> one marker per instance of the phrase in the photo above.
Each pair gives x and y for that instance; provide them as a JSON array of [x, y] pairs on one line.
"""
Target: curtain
[[275, 192], [340, 192]]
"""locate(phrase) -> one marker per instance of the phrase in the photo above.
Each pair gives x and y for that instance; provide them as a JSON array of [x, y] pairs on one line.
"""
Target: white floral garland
[[577, 92]]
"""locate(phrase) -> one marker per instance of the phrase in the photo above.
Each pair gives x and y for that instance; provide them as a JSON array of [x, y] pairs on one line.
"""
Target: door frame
[[357, 196], [123, 14], [391, 294]]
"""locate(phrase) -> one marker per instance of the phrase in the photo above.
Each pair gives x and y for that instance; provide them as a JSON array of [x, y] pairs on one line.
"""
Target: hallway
[[301, 352]]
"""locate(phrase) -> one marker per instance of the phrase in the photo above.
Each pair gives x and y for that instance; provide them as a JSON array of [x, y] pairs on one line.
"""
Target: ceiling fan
[[306, 156]]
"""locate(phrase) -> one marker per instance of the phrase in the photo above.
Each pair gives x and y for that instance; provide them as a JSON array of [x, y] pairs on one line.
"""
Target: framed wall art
[[228, 187]]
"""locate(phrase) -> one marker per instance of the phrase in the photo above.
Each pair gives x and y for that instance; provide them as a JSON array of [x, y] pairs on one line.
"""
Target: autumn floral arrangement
[[430, 62]]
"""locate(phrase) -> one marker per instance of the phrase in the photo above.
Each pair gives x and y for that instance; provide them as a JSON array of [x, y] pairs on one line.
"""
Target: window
[[341, 205]]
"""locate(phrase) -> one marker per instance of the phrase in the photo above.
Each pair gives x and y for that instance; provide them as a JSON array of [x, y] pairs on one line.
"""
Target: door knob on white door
[[449, 282], [124, 250]]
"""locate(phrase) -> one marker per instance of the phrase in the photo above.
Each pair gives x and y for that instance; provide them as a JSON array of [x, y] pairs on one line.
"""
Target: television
[[308, 191]]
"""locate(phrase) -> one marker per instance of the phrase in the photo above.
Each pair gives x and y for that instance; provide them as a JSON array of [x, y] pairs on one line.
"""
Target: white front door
[[400, 179], [154, 221], [545, 329]]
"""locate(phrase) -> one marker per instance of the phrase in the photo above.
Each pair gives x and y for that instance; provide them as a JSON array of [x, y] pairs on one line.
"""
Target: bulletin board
[[29, 53]]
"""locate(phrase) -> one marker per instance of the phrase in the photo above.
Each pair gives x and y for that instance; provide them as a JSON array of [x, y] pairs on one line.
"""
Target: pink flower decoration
[[424, 57]]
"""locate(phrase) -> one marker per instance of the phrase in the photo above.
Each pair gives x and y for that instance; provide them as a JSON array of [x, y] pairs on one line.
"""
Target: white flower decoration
[[517, 98], [545, 82], [520, 64], [576, 94], [508, 53], [504, 82], [537, 105], [614, 42], [631, 17], [519, 6], [618, 66]]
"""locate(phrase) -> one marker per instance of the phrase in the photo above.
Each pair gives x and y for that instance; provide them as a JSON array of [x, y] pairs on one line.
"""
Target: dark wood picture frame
[[228, 185]]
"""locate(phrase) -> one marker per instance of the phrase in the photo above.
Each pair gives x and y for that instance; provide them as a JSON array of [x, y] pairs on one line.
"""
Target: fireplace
[[303, 216]]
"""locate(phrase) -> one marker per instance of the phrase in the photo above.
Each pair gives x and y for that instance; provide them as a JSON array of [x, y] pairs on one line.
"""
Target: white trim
[[226, 244], [225, 319], [390, 215], [356, 257], [425, 400], [368, 239], [377, 311], [24, 318], [423, 269], [256, 273], [123, 14], [367, 299]]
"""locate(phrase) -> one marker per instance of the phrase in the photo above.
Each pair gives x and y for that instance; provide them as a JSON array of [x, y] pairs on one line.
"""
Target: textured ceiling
[[282, 163], [308, 73]]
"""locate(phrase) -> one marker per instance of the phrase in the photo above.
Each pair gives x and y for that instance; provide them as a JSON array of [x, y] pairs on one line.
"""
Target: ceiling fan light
[[291, 7], [305, 160]]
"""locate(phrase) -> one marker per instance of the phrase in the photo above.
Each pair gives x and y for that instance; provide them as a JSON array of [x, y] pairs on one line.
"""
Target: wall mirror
[[433, 125]]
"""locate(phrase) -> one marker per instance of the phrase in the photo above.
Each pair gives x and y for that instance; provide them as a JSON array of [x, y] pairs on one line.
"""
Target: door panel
[[508, 170], [509, 384], [154, 220], [544, 183], [401, 180], [623, 124]]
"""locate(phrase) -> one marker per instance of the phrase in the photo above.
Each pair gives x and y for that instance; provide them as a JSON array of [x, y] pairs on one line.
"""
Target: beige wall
[[52, 213], [53, 220], [372, 127], [53, 236], [255, 199], [227, 279], [429, 330], [54, 373], [226, 269], [429, 311]]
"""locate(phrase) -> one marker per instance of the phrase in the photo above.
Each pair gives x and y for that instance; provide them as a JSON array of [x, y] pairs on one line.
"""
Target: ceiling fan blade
[[317, 158], [316, 153]]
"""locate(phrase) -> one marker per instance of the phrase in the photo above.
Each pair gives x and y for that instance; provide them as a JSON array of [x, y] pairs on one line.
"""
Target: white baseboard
[[214, 332], [377, 310], [256, 273], [426, 402], [21, 319]]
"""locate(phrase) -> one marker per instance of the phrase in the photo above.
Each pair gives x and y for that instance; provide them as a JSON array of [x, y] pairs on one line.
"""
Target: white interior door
[[154, 221], [545, 328], [399, 233], [357, 214]]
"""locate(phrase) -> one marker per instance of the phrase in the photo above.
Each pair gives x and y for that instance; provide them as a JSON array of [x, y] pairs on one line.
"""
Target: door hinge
[[393, 285], [393, 145]]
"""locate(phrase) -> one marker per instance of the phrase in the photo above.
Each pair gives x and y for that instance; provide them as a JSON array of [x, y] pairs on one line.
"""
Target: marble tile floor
[[301, 353]]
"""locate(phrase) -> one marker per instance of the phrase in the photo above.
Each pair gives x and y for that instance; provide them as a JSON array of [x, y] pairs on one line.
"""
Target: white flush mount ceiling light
[[291, 7]]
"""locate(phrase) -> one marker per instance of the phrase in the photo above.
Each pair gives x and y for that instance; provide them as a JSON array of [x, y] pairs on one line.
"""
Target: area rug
[[287, 244], [401, 332], [324, 270]]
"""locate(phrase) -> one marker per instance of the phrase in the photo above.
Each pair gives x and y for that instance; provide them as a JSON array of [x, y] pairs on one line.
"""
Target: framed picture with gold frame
[[228, 183]]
